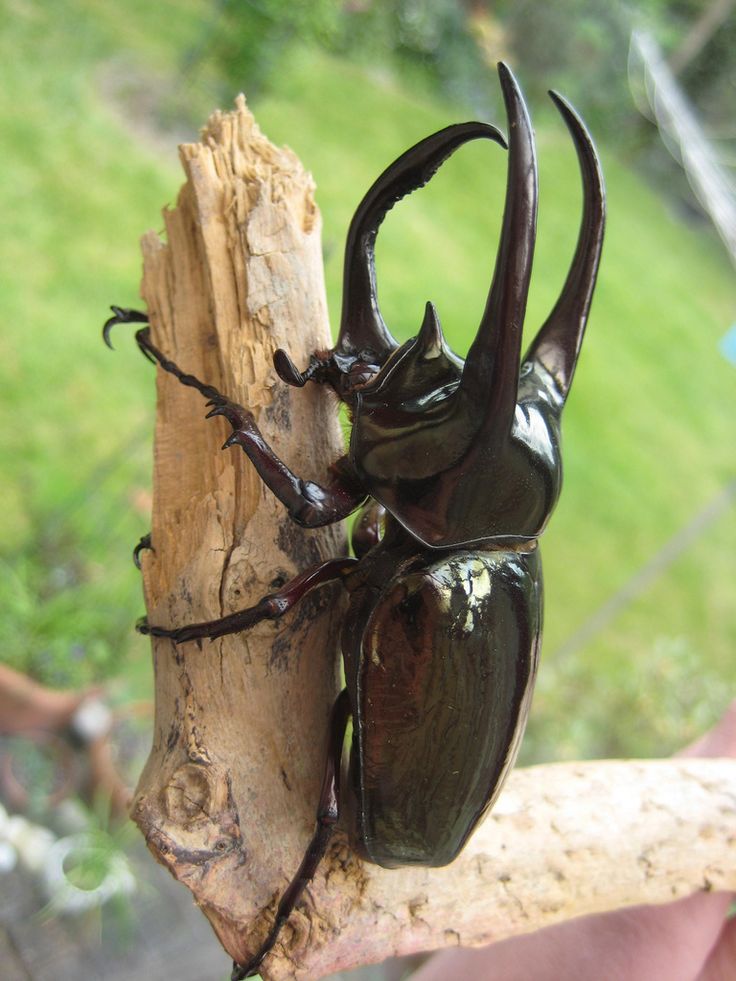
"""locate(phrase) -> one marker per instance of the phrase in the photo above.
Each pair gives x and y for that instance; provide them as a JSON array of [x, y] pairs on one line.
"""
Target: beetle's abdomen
[[447, 665]]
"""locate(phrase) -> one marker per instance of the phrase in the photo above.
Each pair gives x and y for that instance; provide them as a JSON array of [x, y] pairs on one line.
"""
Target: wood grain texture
[[227, 798]]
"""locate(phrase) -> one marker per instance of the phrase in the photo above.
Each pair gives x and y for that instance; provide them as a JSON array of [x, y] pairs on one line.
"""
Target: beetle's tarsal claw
[[107, 327], [149, 630], [232, 440], [121, 315], [143, 544]]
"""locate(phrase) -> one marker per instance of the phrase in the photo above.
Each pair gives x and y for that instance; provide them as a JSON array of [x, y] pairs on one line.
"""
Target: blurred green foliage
[[451, 47], [93, 92], [430, 42]]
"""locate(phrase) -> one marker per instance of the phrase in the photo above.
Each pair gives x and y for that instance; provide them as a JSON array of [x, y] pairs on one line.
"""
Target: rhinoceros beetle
[[457, 466]]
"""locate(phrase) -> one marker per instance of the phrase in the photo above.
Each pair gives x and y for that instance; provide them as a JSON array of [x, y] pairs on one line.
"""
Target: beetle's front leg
[[308, 503], [270, 607]]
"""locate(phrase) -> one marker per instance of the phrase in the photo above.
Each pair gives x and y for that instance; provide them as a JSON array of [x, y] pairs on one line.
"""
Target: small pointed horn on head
[[491, 373], [430, 339], [558, 341], [361, 325]]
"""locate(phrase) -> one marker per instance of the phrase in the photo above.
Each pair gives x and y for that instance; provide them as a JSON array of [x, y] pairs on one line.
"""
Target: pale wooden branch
[[563, 841], [228, 796]]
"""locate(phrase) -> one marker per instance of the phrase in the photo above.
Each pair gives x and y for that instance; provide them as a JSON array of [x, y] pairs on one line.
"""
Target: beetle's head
[[345, 373], [420, 373], [365, 345], [368, 365]]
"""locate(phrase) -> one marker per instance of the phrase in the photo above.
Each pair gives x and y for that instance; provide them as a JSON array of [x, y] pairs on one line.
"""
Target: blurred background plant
[[96, 94]]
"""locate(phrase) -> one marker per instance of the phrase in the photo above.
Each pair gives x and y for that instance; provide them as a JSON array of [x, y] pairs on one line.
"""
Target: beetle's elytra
[[457, 466]]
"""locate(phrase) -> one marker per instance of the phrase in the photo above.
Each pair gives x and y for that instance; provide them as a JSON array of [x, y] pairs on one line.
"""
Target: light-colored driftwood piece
[[228, 796]]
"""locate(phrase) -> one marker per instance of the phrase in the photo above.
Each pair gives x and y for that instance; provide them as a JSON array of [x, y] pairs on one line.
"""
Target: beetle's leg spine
[[328, 813]]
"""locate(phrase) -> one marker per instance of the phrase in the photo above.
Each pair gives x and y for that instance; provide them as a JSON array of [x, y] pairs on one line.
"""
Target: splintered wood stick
[[227, 798]]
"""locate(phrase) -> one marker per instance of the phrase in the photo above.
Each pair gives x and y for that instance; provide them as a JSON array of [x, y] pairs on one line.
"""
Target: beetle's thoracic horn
[[361, 325], [557, 344], [491, 373]]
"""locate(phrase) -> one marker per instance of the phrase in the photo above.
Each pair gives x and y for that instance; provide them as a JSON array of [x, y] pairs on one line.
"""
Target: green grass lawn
[[649, 429]]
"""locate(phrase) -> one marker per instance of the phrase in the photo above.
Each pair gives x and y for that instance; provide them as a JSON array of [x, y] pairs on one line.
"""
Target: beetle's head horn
[[430, 341], [362, 328], [420, 373], [364, 342]]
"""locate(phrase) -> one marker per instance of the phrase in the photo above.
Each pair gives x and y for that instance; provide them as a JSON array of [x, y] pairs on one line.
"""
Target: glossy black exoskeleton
[[460, 464]]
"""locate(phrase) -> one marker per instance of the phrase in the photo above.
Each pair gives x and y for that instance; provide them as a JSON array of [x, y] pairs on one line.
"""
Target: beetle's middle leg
[[327, 814], [270, 607]]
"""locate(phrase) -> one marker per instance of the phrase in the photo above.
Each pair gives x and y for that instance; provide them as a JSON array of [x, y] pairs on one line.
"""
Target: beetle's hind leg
[[270, 607], [328, 812]]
